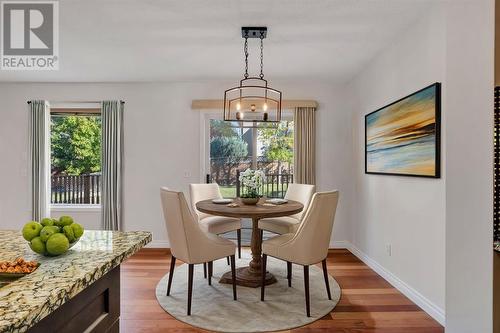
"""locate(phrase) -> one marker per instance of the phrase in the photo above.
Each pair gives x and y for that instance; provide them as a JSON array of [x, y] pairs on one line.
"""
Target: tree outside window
[[75, 159], [232, 149]]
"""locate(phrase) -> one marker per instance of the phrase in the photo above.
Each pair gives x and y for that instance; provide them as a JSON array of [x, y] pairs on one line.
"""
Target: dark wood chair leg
[[233, 275], [325, 275], [263, 287], [210, 272], [289, 273], [238, 235], [261, 235], [205, 270], [228, 262], [306, 290], [190, 287], [171, 274]]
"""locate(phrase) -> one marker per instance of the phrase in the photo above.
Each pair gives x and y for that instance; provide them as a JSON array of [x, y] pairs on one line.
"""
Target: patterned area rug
[[213, 307]]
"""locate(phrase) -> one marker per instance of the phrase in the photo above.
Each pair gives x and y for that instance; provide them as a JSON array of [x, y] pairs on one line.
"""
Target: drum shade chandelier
[[253, 103]]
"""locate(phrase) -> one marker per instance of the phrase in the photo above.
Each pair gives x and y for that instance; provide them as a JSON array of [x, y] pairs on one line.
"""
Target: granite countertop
[[25, 301]]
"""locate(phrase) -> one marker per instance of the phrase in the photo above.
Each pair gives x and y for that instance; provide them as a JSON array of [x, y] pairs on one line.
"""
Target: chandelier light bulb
[[252, 107], [238, 106], [240, 115], [264, 107]]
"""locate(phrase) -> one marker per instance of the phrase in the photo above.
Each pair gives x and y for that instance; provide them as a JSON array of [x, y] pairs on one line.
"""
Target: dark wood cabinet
[[95, 309]]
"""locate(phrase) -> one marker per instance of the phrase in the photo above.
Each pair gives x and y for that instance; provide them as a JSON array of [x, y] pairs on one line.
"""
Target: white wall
[[440, 229], [161, 143], [407, 213], [469, 155]]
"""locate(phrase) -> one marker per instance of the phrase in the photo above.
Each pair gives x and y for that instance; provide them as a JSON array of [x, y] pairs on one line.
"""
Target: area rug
[[214, 309]]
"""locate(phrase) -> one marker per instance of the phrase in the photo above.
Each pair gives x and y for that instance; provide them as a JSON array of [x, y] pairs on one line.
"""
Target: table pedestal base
[[247, 277]]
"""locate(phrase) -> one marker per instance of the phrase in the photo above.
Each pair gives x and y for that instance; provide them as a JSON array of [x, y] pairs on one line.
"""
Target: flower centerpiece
[[251, 181]]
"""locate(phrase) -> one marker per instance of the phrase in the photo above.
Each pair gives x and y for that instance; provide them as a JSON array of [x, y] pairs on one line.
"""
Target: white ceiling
[[155, 40]]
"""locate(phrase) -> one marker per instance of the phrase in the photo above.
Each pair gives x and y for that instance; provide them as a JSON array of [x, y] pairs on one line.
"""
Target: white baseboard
[[432, 309], [340, 245], [158, 244], [163, 244]]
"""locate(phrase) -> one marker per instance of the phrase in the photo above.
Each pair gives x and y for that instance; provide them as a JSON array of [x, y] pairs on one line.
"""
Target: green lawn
[[228, 191]]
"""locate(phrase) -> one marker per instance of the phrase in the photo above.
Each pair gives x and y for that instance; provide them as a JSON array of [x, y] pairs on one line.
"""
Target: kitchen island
[[75, 292]]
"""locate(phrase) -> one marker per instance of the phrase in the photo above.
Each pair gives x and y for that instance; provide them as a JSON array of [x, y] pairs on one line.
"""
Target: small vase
[[249, 201]]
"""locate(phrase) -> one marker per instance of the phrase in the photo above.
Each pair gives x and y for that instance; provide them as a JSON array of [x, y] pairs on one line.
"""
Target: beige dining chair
[[289, 224], [309, 245], [210, 223], [191, 244]]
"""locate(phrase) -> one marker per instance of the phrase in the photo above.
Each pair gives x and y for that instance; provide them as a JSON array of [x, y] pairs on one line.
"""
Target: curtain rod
[[121, 101]]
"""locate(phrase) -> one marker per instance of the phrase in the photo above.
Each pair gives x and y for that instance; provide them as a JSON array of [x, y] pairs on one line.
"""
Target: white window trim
[[205, 116], [75, 105], [70, 207], [75, 208]]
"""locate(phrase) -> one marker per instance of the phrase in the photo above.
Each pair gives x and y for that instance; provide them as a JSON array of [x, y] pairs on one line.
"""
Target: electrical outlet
[[187, 174], [388, 249]]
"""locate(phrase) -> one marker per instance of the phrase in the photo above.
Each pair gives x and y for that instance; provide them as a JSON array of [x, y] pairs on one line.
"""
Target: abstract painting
[[403, 138]]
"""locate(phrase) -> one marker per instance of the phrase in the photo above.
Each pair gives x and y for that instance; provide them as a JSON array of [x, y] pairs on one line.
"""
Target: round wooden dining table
[[251, 275]]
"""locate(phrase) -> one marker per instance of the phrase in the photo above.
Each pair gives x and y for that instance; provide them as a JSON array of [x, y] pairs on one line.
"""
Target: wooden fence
[[82, 189]]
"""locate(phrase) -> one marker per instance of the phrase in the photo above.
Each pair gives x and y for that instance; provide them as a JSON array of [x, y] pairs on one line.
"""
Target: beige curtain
[[40, 159], [112, 164], [305, 145]]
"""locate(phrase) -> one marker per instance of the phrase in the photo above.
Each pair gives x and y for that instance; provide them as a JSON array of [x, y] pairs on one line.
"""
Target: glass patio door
[[230, 149]]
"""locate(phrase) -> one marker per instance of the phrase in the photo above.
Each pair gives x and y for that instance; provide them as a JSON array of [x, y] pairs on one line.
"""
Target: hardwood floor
[[368, 304]]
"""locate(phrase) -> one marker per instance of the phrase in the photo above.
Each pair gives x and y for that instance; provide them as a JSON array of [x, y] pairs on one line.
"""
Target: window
[[233, 149], [75, 147]]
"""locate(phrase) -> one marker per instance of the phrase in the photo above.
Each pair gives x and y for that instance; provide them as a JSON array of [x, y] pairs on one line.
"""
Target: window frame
[[71, 108], [205, 117]]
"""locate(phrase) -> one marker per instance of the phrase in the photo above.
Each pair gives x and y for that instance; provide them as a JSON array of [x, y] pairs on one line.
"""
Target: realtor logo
[[30, 36]]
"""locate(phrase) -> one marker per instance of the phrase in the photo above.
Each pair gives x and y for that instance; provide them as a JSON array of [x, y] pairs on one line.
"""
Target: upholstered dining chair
[[191, 244], [210, 223], [289, 224], [309, 245]]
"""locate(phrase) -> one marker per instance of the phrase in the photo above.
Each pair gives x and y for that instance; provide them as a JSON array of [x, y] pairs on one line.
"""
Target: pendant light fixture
[[253, 103]]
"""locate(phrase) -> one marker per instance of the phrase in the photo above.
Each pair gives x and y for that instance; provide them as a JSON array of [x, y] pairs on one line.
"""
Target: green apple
[[77, 230], [57, 244], [47, 222], [48, 231], [38, 245], [65, 220], [31, 230], [68, 232]]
